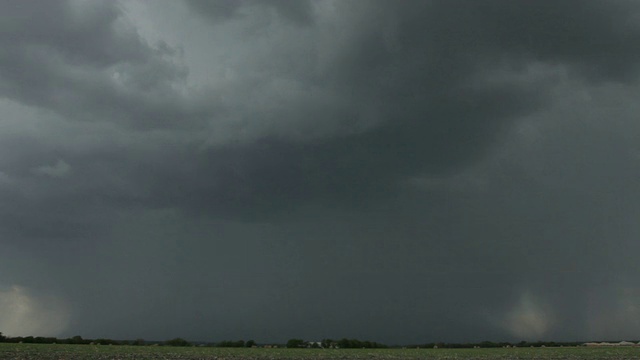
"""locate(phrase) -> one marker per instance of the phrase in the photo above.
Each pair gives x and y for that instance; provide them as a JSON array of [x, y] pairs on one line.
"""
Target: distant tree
[[106, 342], [177, 342], [227, 343], [489, 344], [2, 337], [357, 344], [43, 340], [349, 343], [295, 343], [250, 343], [28, 340], [138, 342], [77, 340]]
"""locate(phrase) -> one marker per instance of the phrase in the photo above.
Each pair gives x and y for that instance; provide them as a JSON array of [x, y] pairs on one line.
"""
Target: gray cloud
[[297, 12], [434, 90], [59, 169], [84, 61], [398, 171]]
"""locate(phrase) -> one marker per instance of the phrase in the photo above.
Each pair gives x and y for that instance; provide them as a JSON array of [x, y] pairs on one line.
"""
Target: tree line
[[335, 344], [491, 344], [76, 340], [79, 340], [292, 343], [297, 343]]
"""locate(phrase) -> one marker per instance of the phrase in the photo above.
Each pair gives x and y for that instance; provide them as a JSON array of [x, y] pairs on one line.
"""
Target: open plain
[[102, 352]]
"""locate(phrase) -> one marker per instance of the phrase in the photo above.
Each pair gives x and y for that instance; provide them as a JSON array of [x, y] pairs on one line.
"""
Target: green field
[[76, 352]]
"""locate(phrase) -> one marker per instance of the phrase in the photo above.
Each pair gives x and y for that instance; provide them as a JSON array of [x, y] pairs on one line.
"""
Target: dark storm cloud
[[84, 61], [400, 171], [299, 12], [427, 70]]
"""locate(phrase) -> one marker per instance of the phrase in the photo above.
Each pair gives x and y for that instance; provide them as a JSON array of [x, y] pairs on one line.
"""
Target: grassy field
[[98, 352]]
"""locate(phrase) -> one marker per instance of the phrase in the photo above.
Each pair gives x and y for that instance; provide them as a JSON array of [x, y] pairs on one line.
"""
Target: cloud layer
[[408, 171]]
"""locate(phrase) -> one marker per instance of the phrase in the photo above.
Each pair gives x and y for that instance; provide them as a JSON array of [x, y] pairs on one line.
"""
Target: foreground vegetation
[[97, 352]]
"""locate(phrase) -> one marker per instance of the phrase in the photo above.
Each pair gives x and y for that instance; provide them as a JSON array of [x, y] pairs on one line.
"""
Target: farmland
[[99, 352]]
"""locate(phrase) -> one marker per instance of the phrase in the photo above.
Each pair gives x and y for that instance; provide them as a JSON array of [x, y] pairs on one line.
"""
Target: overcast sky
[[398, 171]]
